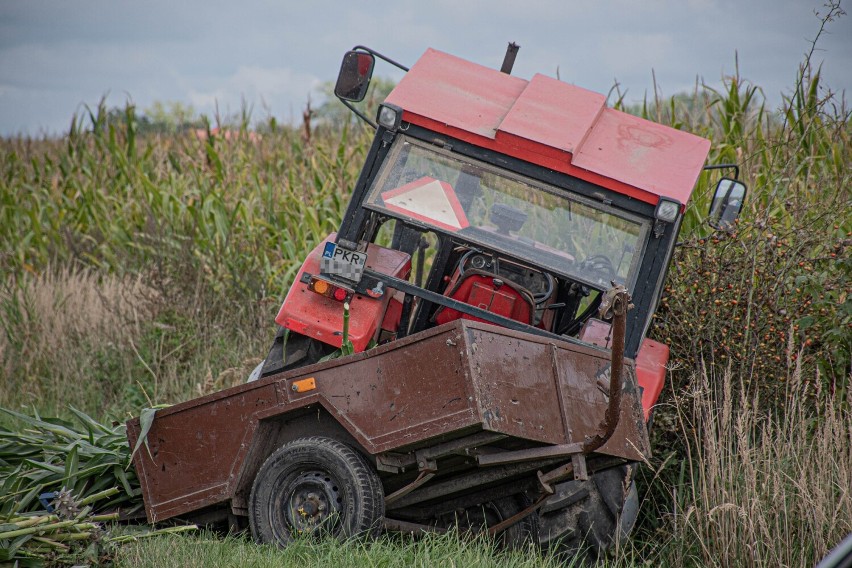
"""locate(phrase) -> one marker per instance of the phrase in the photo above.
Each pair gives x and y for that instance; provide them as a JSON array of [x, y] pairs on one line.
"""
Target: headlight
[[390, 116], [667, 210]]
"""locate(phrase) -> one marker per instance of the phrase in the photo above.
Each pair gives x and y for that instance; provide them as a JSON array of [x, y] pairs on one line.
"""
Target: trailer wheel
[[315, 486], [479, 517]]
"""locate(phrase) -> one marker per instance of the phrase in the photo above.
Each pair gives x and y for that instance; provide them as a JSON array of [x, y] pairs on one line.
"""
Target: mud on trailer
[[493, 278]]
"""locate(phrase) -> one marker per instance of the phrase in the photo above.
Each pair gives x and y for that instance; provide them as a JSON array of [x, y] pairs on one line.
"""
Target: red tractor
[[487, 296]]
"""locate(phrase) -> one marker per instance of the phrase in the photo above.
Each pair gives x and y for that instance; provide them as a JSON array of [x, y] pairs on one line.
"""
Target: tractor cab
[[492, 198]]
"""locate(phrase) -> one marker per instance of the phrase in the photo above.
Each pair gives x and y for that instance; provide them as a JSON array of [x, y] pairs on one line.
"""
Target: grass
[[208, 549], [139, 269], [763, 478]]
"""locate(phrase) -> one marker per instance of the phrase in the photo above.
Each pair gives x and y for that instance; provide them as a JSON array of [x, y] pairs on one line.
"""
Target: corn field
[[146, 269]]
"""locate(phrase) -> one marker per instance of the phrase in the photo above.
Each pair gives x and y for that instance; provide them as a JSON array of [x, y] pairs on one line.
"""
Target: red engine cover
[[316, 316], [480, 290]]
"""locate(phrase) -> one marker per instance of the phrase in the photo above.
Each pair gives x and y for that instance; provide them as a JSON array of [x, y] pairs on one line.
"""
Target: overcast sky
[[58, 55]]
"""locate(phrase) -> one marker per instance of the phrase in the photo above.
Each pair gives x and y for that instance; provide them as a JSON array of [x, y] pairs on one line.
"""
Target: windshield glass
[[543, 226]]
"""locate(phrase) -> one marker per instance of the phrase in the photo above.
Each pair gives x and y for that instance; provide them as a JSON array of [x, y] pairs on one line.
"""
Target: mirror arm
[[380, 56], [735, 167], [360, 114]]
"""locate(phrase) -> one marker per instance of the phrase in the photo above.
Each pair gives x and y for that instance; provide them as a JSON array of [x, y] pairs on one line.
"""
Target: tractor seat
[[487, 291]]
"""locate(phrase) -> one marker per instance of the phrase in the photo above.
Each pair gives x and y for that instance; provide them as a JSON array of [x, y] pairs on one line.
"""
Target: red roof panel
[[457, 93], [661, 160], [552, 124], [539, 114]]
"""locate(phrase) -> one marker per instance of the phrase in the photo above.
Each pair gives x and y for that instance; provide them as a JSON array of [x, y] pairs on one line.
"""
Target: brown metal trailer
[[466, 404]]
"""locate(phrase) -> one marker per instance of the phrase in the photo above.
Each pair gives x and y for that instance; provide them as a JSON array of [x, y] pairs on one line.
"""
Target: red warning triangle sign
[[429, 200]]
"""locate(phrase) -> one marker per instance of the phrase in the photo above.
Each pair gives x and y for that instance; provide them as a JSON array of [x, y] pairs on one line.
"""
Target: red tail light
[[329, 290]]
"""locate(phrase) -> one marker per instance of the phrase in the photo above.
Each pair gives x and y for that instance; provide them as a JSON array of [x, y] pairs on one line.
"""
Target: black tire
[[291, 350], [315, 486], [585, 518], [480, 517]]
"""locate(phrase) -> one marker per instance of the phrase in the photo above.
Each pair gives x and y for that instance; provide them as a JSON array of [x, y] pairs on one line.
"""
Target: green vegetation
[[151, 267], [146, 267], [72, 469], [95, 462], [426, 552], [780, 281]]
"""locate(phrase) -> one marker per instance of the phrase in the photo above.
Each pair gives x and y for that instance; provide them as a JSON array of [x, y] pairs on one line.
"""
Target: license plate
[[343, 263]]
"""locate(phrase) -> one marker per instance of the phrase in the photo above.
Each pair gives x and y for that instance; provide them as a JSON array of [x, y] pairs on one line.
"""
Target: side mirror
[[354, 78], [727, 203]]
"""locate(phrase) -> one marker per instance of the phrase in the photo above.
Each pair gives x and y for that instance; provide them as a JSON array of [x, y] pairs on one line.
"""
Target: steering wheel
[[542, 297], [600, 265], [466, 260]]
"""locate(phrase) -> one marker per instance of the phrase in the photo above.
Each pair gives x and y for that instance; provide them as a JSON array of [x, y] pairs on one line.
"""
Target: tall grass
[[734, 297], [766, 489], [147, 269], [60, 329], [758, 488], [239, 207]]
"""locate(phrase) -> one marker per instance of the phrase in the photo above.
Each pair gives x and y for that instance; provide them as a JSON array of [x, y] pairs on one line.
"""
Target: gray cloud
[[56, 55]]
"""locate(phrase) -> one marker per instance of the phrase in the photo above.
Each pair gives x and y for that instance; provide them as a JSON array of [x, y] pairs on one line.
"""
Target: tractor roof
[[552, 124]]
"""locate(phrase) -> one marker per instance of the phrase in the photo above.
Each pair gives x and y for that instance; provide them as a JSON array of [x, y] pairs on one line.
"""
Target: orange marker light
[[304, 385], [321, 286]]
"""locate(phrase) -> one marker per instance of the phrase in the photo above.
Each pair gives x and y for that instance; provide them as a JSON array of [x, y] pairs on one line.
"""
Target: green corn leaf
[[71, 465], [146, 420], [89, 422], [119, 474], [44, 466]]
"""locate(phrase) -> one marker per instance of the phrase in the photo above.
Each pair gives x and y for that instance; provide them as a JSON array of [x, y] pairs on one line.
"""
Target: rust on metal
[[578, 463], [461, 446], [614, 305], [462, 483], [557, 474], [424, 476], [557, 451], [560, 396]]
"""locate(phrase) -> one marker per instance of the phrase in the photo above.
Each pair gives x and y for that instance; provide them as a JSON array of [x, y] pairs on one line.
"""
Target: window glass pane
[[525, 219]]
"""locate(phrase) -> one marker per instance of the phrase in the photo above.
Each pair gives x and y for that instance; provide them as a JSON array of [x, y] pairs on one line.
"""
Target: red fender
[[650, 362]]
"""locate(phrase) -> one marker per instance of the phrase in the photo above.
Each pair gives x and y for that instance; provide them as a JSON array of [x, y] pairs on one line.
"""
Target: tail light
[[329, 290]]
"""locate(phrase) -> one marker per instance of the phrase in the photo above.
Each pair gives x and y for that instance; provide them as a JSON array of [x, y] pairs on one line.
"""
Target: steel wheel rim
[[313, 502]]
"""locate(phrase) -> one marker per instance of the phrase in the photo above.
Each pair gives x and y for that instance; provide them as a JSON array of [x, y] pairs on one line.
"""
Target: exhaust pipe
[[615, 304], [509, 58]]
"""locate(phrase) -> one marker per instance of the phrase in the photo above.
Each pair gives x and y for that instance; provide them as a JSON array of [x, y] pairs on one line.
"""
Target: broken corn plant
[[58, 536], [54, 475], [35, 539], [48, 454]]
